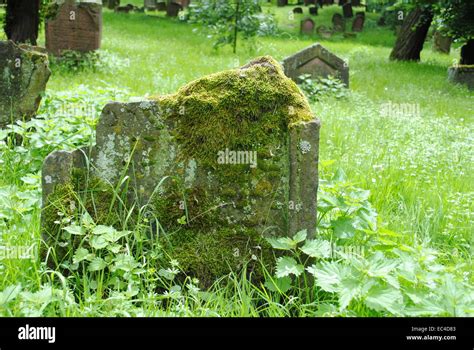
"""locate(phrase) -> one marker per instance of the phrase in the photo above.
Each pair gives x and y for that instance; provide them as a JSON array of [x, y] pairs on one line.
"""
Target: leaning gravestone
[[358, 23], [318, 62], [25, 72], [307, 26], [73, 25], [234, 153], [441, 43], [338, 23]]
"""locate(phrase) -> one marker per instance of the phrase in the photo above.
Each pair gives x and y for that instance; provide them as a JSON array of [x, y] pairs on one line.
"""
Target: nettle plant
[[316, 89], [353, 267], [225, 20]]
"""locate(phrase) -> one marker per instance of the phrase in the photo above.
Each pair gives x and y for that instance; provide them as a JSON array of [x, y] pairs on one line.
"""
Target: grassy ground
[[417, 167]]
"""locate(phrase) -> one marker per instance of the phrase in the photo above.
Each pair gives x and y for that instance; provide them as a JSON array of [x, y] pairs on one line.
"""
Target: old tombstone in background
[[25, 72], [161, 6], [358, 23], [72, 25], [318, 62], [235, 173], [313, 11], [150, 4], [281, 3], [324, 32], [441, 43], [347, 10], [307, 26], [338, 23], [462, 75], [297, 10], [173, 9]]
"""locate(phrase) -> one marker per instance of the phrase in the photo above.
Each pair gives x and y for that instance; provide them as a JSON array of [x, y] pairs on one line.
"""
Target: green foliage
[[456, 19], [316, 89], [226, 19]]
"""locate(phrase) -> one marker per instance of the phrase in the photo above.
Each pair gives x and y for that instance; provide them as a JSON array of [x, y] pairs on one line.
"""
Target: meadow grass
[[418, 168]]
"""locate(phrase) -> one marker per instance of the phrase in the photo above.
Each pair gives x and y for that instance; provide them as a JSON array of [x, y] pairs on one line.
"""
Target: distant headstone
[[347, 10], [358, 23], [462, 75], [111, 4], [235, 173], [281, 3], [150, 4], [313, 11], [173, 9], [74, 26], [307, 26], [338, 23], [297, 10], [161, 6], [25, 72], [441, 43], [324, 32], [318, 62]]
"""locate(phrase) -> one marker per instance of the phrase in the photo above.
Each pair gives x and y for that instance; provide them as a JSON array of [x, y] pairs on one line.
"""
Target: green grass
[[418, 168]]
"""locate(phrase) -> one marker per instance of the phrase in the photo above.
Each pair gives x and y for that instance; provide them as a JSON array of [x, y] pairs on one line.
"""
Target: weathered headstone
[[318, 62], [297, 10], [358, 23], [441, 43], [462, 75], [307, 26], [338, 22], [173, 9], [161, 6], [150, 4], [25, 72], [324, 32], [234, 153], [313, 11], [72, 25], [347, 10]]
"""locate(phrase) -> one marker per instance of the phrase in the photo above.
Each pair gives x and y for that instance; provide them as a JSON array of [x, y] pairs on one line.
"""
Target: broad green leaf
[[101, 230], [97, 264], [115, 235], [281, 285], [98, 242], [349, 289], [300, 236], [82, 254], [317, 248], [343, 227], [288, 266], [75, 230], [9, 293], [380, 266], [282, 243], [382, 298], [328, 275]]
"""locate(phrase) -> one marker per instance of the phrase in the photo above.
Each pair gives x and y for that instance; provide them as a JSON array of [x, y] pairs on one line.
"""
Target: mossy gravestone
[[73, 25], [229, 158], [24, 73], [318, 62]]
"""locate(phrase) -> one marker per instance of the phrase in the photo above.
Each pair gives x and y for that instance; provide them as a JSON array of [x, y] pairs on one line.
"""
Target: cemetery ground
[[396, 159]]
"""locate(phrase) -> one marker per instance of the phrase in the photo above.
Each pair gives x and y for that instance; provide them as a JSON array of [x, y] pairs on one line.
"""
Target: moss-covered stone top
[[240, 109]]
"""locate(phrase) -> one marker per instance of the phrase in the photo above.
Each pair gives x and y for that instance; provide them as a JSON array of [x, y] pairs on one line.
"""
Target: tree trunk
[[467, 53], [22, 21], [412, 35]]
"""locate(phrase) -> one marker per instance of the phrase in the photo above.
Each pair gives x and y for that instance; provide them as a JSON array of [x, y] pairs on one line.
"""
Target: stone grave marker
[[441, 43], [297, 10], [358, 23], [72, 25], [161, 6], [338, 22], [233, 154], [307, 26], [347, 10], [324, 32], [173, 9], [313, 11], [25, 72], [318, 62]]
